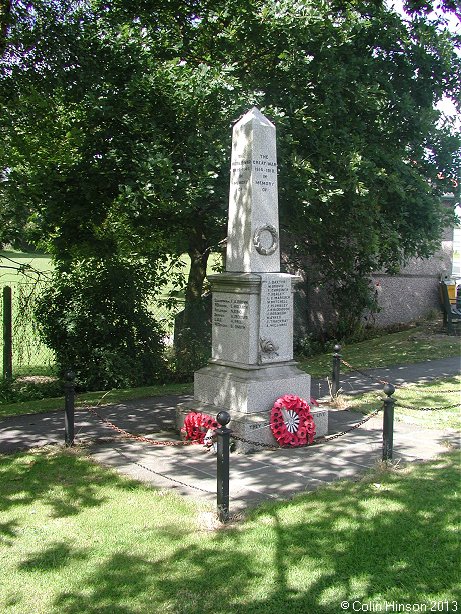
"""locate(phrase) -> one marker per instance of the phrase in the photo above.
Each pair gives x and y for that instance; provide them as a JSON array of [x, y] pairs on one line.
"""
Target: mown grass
[[416, 344], [93, 398], [78, 538], [413, 401]]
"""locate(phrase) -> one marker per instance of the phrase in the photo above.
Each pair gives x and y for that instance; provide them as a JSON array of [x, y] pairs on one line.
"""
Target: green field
[[24, 273], [21, 271]]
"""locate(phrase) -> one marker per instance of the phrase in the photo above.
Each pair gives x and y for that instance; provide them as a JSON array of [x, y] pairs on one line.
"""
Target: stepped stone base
[[249, 389], [248, 394], [252, 427]]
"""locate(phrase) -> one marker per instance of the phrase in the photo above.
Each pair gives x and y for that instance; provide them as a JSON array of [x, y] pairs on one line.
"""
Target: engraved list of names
[[276, 320]]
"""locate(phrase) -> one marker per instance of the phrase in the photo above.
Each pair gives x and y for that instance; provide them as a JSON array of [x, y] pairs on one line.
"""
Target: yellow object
[[451, 287]]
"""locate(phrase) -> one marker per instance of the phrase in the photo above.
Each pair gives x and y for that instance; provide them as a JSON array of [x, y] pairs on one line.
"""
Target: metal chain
[[319, 441], [408, 406], [427, 408], [124, 433], [380, 381], [167, 477], [327, 438], [268, 446], [445, 391]]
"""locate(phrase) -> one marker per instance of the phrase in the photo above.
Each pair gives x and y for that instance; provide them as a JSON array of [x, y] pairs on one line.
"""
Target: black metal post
[[7, 334], [336, 370], [222, 469], [388, 422], [69, 421]]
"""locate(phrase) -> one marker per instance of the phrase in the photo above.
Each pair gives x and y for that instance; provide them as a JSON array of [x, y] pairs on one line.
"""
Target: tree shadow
[[56, 556], [8, 531], [393, 539], [32, 477]]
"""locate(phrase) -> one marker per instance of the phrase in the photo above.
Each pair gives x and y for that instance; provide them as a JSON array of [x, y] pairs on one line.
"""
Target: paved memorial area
[[272, 474], [262, 475]]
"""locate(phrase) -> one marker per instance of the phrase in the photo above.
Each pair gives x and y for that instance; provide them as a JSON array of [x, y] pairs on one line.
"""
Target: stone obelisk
[[252, 320]]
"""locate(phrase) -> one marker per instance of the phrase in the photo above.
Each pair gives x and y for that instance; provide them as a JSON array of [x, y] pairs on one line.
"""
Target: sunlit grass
[[408, 346], [435, 404], [78, 538]]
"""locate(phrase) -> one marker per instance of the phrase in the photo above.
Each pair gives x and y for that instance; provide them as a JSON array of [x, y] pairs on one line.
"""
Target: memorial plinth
[[252, 317]]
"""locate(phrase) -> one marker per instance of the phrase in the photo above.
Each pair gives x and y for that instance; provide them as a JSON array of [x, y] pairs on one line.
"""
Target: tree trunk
[[193, 339]]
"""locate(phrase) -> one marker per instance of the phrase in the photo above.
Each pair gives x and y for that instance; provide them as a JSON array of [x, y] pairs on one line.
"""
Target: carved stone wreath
[[266, 251]]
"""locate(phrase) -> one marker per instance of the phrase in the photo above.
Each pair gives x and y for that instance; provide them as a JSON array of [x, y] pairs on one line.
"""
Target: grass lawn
[[93, 398], [417, 344], [442, 393], [78, 538]]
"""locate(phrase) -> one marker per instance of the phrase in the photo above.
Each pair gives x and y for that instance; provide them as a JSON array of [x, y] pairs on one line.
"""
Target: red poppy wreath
[[196, 426], [291, 421]]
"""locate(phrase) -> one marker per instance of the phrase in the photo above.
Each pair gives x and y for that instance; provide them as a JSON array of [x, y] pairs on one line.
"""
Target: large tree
[[116, 124]]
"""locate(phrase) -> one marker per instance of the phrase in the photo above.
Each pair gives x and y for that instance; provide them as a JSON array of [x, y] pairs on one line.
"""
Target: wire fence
[[30, 357]]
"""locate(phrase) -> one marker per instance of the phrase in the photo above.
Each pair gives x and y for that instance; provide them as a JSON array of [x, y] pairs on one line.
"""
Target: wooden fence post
[[7, 334]]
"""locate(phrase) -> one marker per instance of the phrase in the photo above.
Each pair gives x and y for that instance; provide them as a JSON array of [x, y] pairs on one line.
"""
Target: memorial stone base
[[248, 394]]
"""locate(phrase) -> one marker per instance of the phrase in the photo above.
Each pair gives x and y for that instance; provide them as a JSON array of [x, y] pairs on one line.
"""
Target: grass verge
[[78, 538], [413, 403], [417, 344], [93, 398]]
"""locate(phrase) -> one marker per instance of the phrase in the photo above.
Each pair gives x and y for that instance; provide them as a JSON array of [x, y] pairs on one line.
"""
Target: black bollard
[[69, 420], [388, 422], [336, 370], [222, 468]]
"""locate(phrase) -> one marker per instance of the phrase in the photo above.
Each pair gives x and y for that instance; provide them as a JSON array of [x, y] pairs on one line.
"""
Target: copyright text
[[398, 606]]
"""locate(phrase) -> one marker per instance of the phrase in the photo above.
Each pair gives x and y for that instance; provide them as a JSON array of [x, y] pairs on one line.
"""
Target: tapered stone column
[[252, 322]]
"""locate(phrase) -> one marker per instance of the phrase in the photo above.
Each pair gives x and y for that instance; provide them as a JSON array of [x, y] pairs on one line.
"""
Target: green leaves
[[95, 317], [116, 122]]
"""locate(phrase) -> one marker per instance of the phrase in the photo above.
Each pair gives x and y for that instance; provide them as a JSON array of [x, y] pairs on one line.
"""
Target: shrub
[[94, 316], [20, 389]]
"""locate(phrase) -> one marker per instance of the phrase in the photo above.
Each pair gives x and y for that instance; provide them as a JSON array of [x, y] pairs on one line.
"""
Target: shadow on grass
[[8, 531], [391, 539], [56, 556], [35, 476]]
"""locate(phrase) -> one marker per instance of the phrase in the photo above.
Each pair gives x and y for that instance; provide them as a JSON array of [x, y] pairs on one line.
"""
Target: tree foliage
[[95, 317], [116, 125]]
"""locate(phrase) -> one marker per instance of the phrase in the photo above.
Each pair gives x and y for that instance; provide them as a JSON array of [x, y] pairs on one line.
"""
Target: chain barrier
[[319, 441], [370, 377], [445, 391], [397, 403], [316, 442], [166, 477], [427, 408], [128, 435]]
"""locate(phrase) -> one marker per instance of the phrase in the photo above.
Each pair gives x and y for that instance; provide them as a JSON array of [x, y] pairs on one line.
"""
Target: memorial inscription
[[230, 313], [276, 319], [263, 169], [278, 303]]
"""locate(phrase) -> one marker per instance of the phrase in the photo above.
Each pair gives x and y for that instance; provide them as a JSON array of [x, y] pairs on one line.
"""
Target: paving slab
[[265, 475]]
